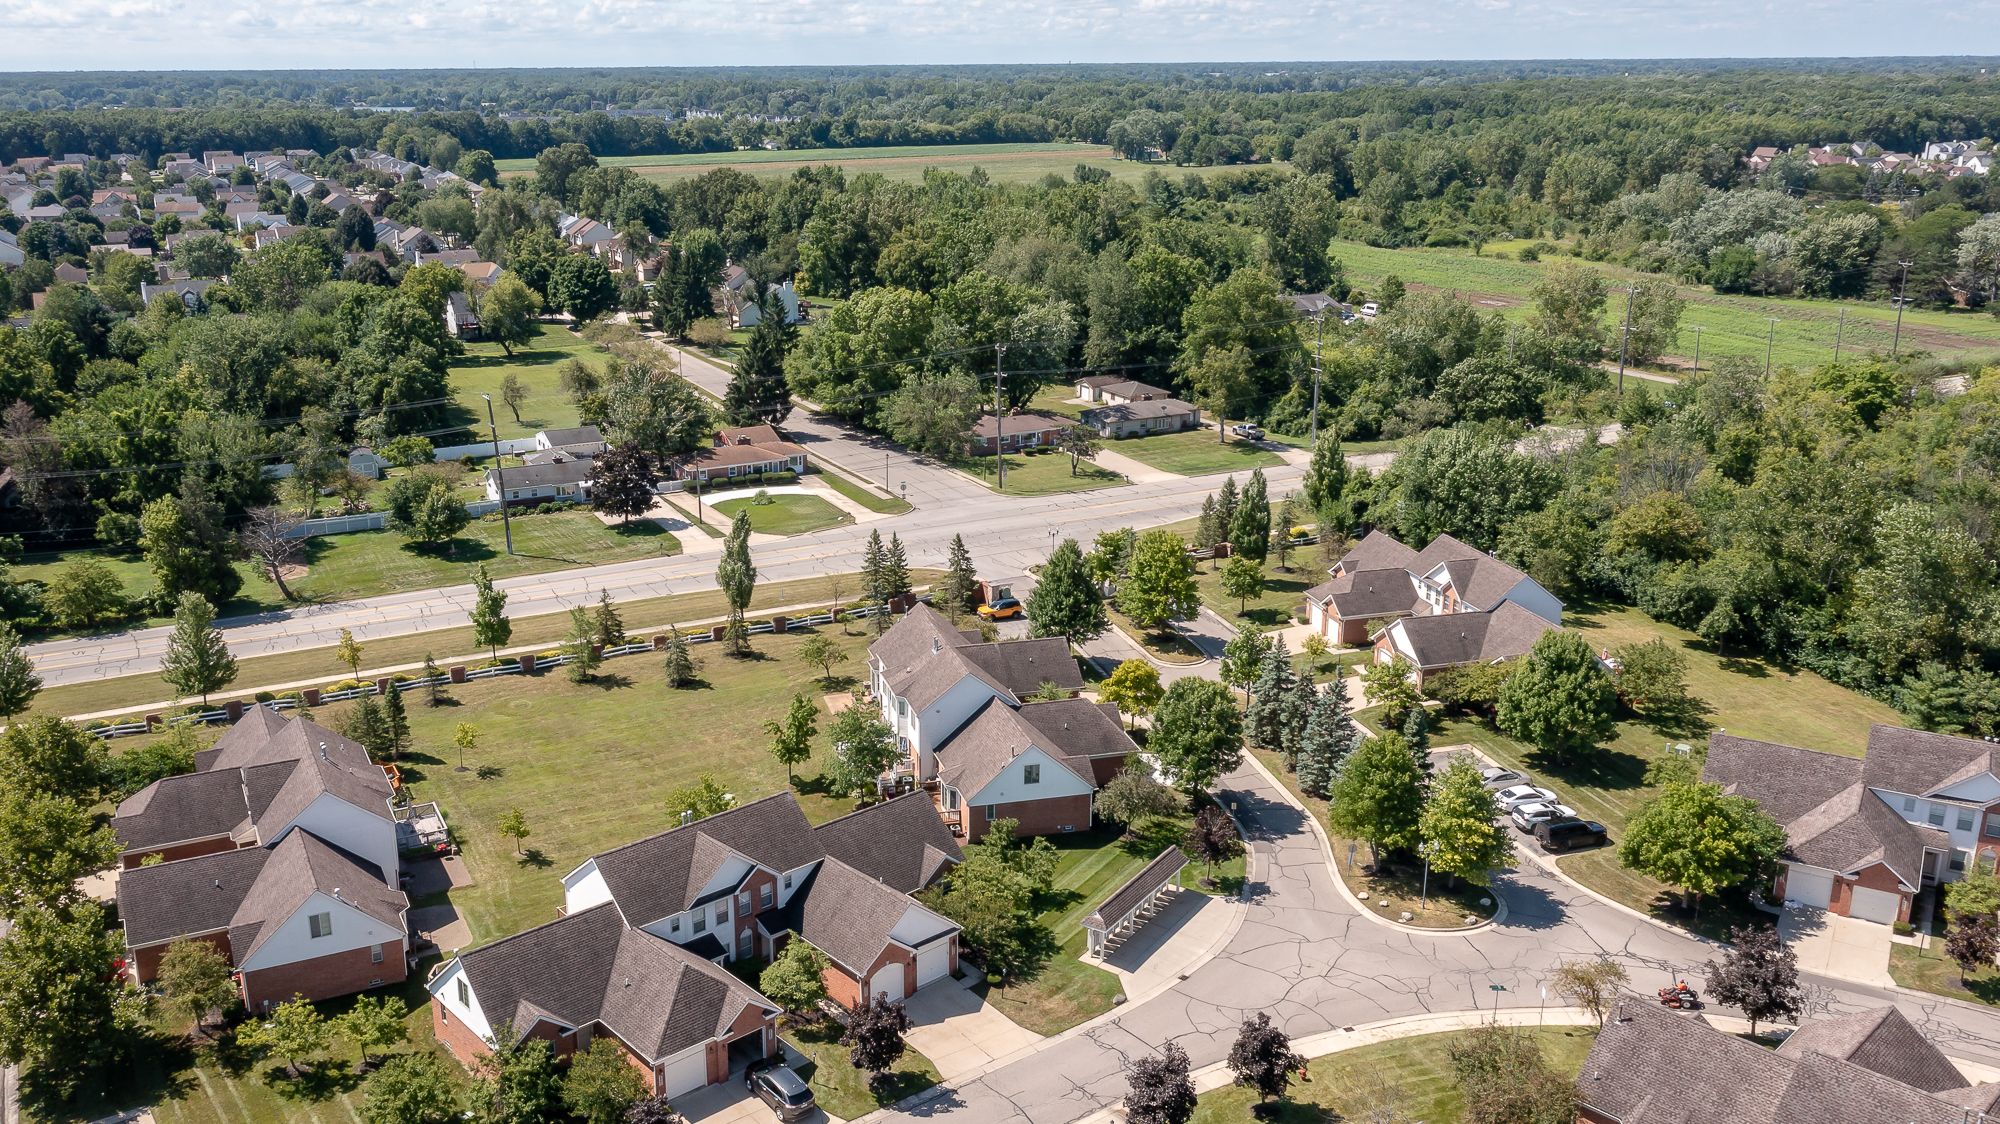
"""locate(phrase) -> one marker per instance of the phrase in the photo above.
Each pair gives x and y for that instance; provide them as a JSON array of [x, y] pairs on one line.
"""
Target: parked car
[[1370, 310], [1248, 431], [1570, 835], [1527, 816], [779, 1087], [1512, 798], [1001, 610], [1496, 777]]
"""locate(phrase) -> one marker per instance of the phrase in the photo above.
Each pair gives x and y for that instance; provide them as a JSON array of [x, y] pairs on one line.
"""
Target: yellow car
[[1001, 610]]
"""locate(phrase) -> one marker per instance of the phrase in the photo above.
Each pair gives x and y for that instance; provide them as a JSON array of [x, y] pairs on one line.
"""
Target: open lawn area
[[785, 515], [1168, 645], [1194, 453], [1731, 324], [1929, 969], [1065, 991], [1040, 475], [841, 1089], [1413, 1074], [484, 366], [860, 494], [1284, 592], [1026, 162], [1743, 696]]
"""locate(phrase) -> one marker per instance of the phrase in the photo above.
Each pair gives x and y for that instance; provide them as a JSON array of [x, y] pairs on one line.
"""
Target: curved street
[[1305, 955]]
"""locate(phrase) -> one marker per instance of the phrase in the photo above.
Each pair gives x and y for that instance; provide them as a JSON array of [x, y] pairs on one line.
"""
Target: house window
[[321, 925], [788, 881], [1909, 805], [374, 954], [701, 923], [674, 926], [1031, 774], [764, 896], [1958, 860], [1993, 825], [464, 994], [1937, 815], [721, 912], [1965, 819]]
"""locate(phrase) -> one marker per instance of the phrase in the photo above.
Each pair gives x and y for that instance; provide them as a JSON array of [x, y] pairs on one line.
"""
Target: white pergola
[[1134, 903]]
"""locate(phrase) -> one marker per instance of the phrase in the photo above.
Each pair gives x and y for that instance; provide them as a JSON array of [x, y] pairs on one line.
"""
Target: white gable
[[1982, 788], [1011, 786], [445, 992], [918, 926], [584, 887], [350, 929]]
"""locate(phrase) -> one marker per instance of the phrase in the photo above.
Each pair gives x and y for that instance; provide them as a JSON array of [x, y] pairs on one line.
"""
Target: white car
[[1493, 776], [1512, 798], [1370, 310], [1248, 430], [1527, 816]]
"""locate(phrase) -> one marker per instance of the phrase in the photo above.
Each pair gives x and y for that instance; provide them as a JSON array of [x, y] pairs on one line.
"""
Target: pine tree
[[873, 591], [197, 660], [607, 626], [1326, 740], [961, 582], [1417, 731], [434, 676], [1250, 524], [1325, 484], [1294, 713], [395, 721], [366, 727], [1226, 502], [895, 568], [1206, 534], [681, 665], [758, 392], [1264, 721]]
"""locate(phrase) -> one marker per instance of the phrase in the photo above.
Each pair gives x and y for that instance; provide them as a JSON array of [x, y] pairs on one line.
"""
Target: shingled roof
[[1921, 763], [664, 874], [1448, 639], [903, 842], [987, 744], [923, 656], [1080, 727], [1881, 1040], [843, 913], [591, 967], [1831, 818]]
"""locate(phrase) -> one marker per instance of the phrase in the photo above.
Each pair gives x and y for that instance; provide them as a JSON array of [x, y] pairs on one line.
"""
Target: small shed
[[367, 462], [1134, 903]]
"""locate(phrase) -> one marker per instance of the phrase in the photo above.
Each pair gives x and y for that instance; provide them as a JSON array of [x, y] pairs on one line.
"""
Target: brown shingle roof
[[986, 428], [1080, 728], [994, 737], [660, 876], [1831, 818], [902, 842], [1361, 594], [843, 913], [1920, 763], [1881, 1040], [1455, 638]]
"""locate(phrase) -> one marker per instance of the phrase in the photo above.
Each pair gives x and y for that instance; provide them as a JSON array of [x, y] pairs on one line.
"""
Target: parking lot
[[1527, 804]]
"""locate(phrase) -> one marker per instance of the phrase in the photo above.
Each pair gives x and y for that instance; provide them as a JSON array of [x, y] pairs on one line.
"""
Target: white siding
[[584, 887], [1531, 596], [362, 832], [1009, 788], [444, 990], [952, 709], [1918, 810], [352, 929], [917, 926], [1981, 789]]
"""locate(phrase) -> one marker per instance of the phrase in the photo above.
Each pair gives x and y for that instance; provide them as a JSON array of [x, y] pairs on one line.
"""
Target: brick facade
[[464, 1045], [1102, 769], [131, 860], [1876, 877], [146, 961], [1035, 817], [325, 977]]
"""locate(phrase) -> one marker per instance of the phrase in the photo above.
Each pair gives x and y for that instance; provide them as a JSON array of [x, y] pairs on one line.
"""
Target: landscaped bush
[[345, 685]]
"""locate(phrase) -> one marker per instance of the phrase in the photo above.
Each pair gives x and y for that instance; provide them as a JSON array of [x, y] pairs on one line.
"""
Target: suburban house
[[745, 312], [557, 479], [1014, 432], [459, 318], [583, 441], [1142, 417], [647, 928], [280, 849], [1652, 1066], [1110, 390], [1864, 836], [1446, 605], [479, 275], [750, 450], [960, 711]]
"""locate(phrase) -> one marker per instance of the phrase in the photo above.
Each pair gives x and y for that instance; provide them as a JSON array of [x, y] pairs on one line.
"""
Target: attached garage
[[685, 1073], [1875, 905], [1808, 886], [934, 962], [888, 982]]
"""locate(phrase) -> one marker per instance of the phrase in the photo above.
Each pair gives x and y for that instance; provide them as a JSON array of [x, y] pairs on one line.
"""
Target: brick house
[[645, 924], [1382, 580], [960, 711], [1651, 1066], [1015, 432], [280, 849], [750, 450], [1864, 836]]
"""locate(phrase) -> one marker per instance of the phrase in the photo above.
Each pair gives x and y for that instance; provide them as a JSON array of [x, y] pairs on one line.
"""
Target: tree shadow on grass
[[608, 681], [322, 1080], [490, 772], [534, 857], [419, 757], [159, 1072], [1594, 768]]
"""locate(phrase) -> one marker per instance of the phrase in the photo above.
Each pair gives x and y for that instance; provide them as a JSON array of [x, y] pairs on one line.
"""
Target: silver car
[[1527, 816], [1493, 776], [1512, 798], [780, 1088]]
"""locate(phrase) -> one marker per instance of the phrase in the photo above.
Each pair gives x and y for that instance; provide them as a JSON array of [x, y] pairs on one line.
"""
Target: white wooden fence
[[484, 449], [372, 521]]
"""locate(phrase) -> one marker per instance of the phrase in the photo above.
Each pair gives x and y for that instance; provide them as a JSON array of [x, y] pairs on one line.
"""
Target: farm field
[[1005, 163], [1730, 324]]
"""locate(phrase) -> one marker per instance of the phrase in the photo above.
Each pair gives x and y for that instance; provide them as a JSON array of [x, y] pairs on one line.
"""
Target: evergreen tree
[[1325, 485], [197, 660], [1250, 524], [1226, 501], [961, 583], [874, 589], [1264, 719], [366, 727], [1417, 731], [895, 568], [737, 577], [1207, 526], [1328, 737], [1295, 712], [1065, 601], [18, 682], [395, 721], [606, 625], [680, 663], [757, 392]]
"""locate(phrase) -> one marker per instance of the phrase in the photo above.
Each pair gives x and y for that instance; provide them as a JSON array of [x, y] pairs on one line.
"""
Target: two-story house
[[1446, 605], [1864, 836], [639, 952], [280, 849], [962, 715]]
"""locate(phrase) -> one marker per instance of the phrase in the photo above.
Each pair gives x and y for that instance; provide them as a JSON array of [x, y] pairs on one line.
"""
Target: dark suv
[[782, 1089], [1570, 835]]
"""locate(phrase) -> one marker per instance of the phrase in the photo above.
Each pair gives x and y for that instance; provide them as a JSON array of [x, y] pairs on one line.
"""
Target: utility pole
[[1770, 341], [1319, 333], [1625, 338], [1838, 329], [1697, 350], [999, 419], [499, 476], [1896, 346]]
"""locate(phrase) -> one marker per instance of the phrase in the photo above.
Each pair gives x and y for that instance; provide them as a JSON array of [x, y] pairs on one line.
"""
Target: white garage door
[[1875, 905], [1809, 887], [686, 1074], [934, 962], [888, 983]]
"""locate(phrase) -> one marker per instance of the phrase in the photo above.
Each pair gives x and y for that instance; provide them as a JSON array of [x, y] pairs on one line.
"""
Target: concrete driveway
[[731, 1102], [960, 1032], [1828, 944]]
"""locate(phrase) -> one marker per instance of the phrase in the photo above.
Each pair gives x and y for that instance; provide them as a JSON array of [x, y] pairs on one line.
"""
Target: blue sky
[[239, 34]]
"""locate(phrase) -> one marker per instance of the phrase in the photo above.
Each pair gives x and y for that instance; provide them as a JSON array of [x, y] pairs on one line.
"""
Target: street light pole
[[499, 474], [1896, 345], [1697, 350], [1625, 338], [1319, 333]]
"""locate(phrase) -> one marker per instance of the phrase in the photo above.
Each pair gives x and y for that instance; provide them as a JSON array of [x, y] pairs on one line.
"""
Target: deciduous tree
[[874, 1037], [1262, 1057], [293, 1030], [1065, 601], [1560, 699], [490, 626], [514, 825], [863, 746], [61, 1010], [1197, 733], [196, 978], [1159, 1089], [1161, 586], [1758, 975], [1133, 795], [601, 1083], [1459, 825], [792, 735], [507, 314], [1133, 687], [796, 980], [1693, 837], [1378, 795], [1593, 985]]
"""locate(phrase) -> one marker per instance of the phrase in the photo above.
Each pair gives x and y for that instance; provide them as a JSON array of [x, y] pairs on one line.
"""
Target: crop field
[[1730, 324], [1005, 163]]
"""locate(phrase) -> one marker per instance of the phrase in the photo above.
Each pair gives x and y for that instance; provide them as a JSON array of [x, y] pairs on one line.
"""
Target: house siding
[[132, 860], [325, 977], [146, 961]]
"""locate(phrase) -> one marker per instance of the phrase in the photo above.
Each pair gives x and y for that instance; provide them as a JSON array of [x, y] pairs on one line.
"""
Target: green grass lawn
[[785, 515], [1004, 163], [1731, 324], [1056, 400], [1166, 645], [1065, 991], [1414, 1074], [863, 496], [842, 1090], [1740, 695], [1194, 453], [1284, 592], [1929, 969], [1041, 475], [484, 366]]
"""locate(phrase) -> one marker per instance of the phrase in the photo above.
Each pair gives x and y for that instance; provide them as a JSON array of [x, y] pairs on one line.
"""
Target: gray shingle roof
[[1917, 762], [1361, 594], [843, 913], [1022, 666], [1881, 1040], [544, 475], [1026, 422], [988, 743], [661, 875], [574, 435], [923, 656], [902, 842], [1455, 638], [1137, 410], [174, 809], [1080, 728], [1830, 817], [1378, 550]]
